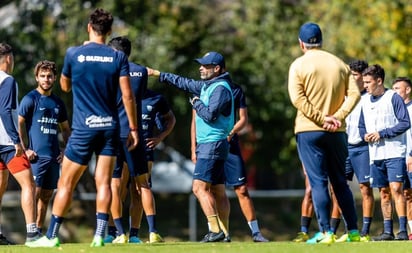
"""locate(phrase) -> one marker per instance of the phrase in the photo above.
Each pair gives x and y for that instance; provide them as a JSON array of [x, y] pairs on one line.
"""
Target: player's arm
[[130, 108], [65, 83], [169, 120], [240, 124], [65, 131], [193, 137]]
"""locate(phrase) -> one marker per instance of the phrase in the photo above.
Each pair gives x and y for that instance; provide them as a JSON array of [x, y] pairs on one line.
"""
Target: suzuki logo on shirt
[[94, 58]]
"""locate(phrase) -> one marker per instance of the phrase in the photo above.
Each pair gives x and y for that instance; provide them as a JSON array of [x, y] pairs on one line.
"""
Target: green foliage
[[258, 39]]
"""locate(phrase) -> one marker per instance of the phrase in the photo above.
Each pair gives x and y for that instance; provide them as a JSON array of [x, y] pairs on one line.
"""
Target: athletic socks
[[367, 221], [305, 223], [55, 223], [254, 226], [334, 224], [119, 226], [134, 232], [111, 230], [151, 221], [388, 226], [402, 223], [101, 224]]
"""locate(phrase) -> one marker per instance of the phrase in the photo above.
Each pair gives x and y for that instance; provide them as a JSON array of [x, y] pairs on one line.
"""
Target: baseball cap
[[310, 33], [213, 58]]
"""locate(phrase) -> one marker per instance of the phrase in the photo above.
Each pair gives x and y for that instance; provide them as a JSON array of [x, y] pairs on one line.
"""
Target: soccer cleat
[[258, 237], [97, 242], [402, 236], [365, 238], [120, 239], [155, 238], [4, 241], [328, 239], [108, 239], [385, 236], [227, 239], [43, 242], [213, 237], [301, 237], [343, 238], [135, 239], [319, 236], [354, 236]]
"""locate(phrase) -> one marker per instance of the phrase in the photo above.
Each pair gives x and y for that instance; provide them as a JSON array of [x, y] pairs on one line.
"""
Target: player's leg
[[149, 206], [306, 212], [336, 152], [46, 172], [359, 155], [20, 168], [4, 178], [396, 175], [207, 171], [135, 212], [223, 208], [408, 197], [335, 217]]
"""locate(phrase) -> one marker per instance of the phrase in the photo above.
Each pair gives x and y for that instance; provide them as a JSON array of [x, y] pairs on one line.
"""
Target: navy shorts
[[209, 170], [82, 145], [135, 159], [358, 162], [46, 172], [385, 171], [235, 172]]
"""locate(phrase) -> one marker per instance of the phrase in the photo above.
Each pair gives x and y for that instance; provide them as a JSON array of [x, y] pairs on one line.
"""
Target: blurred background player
[[357, 161], [42, 115], [158, 122], [403, 86]]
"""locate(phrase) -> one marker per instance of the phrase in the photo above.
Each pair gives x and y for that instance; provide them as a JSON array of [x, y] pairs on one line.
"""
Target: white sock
[[31, 228], [410, 225], [254, 227]]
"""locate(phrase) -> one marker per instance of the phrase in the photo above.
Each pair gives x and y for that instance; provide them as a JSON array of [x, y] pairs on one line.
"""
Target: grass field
[[234, 247]]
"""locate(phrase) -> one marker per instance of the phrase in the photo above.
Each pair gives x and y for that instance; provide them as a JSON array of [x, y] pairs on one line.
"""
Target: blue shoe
[[319, 236], [109, 239], [135, 239]]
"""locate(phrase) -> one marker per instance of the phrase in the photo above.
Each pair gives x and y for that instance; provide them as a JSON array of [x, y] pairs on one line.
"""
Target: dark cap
[[310, 33], [213, 58]]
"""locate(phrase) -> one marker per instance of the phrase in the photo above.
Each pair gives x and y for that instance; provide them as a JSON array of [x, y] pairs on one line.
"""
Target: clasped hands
[[331, 124]]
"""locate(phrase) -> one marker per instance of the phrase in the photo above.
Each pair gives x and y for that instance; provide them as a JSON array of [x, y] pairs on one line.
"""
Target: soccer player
[[357, 161], [42, 115], [322, 90], [403, 86], [383, 123], [135, 159], [95, 72], [156, 114], [235, 171], [213, 103], [12, 157]]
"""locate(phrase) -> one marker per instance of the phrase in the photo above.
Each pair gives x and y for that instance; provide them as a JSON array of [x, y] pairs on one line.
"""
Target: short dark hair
[[121, 43], [376, 71], [101, 21], [45, 65], [403, 79], [5, 49], [358, 65]]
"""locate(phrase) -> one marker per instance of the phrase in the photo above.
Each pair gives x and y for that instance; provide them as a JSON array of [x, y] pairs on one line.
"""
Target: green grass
[[234, 247]]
